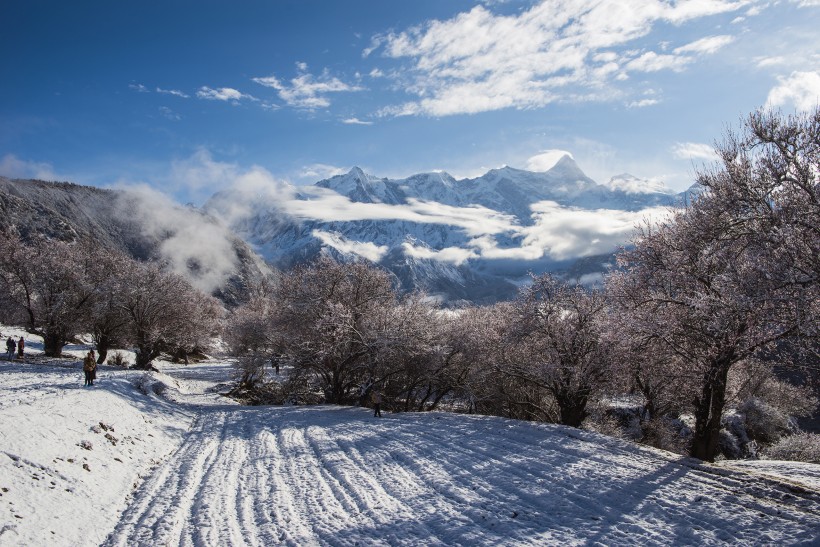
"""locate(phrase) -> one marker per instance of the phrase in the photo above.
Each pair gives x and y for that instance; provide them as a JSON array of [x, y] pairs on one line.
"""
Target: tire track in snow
[[332, 476]]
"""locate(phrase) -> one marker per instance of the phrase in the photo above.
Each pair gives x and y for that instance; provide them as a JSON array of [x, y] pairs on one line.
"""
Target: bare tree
[[329, 318], [727, 278], [164, 312], [52, 284], [559, 327]]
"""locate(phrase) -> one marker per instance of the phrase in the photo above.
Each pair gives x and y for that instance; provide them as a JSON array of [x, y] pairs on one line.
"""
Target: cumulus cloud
[[800, 89], [364, 249], [226, 94], [199, 175], [694, 151], [642, 103], [555, 51], [307, 91], [194, 246]]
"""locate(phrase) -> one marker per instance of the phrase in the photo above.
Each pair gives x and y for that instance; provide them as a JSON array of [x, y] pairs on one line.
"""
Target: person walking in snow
[[90, 368], [10, 347], [21, 344], [376, 399]]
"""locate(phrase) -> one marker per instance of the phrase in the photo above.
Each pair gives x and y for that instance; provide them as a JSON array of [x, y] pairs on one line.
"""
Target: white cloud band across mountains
[[552, 232]]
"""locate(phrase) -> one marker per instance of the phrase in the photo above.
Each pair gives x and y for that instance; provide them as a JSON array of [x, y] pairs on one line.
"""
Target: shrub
[[801, 447], [118, 360], [763, 422]]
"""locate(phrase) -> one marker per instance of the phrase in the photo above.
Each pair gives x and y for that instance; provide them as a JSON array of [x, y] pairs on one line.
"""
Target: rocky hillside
[[141, 224]]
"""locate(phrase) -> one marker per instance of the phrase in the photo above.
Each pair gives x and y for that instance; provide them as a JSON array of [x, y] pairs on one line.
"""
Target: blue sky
[[188, 96]]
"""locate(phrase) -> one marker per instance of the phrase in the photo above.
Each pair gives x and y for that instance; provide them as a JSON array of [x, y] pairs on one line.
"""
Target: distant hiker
[[376, 399], [90, 368], [10, 347], [21, 344]]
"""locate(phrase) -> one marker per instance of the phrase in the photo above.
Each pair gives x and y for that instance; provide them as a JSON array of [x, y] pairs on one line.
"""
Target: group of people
[[12, 346]]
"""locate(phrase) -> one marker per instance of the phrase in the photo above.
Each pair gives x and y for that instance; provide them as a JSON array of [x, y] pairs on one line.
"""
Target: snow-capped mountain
[[468, 239]]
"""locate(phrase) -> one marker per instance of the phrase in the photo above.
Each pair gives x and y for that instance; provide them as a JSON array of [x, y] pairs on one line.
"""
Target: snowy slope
[[208, 472]]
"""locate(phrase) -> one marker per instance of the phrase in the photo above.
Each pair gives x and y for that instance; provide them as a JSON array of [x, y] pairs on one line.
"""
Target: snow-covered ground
[[162, 459]]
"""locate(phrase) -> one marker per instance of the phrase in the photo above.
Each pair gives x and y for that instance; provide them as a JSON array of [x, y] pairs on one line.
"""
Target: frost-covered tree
[[331, 321], [253, 337], [165, 313], [485, 355], [560, 326], [735, 272], [51, 285], [414, 361]]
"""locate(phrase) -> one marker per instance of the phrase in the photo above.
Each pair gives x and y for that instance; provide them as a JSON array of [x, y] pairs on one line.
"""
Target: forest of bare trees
[[683, 346]]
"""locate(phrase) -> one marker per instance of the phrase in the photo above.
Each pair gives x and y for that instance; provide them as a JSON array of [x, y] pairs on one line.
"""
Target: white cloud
[[800, 89], [199, 175], [321, 171], [227, 94], [764, 62], [564, 233], [554, 51], [365, 249], [139, 88], [653, 62], [356, 121], [187, 236], [546, 160], [642, 103], [453, 255], [13, 167], [707, 45], [306, 90], [174, 92], [169, 114], [694, 151]]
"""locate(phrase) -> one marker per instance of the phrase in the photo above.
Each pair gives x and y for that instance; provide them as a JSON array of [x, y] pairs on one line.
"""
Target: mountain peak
[[547, 160]]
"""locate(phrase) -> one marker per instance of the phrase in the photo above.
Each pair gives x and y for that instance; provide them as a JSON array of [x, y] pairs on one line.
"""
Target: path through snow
[[338, 476], [210, 472]]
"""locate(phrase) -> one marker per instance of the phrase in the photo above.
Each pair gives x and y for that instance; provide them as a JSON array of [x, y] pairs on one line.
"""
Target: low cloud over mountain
[[468, 239]]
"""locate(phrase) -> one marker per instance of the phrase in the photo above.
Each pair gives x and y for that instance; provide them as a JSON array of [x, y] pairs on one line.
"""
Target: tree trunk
[[573, 409], [103, 343], [709, 411], [144, 356], [53, 342]]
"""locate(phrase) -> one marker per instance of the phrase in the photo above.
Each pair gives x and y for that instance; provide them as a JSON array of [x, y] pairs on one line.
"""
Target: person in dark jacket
[[376, 399], [21, 345], [10, 347], [89, 368]]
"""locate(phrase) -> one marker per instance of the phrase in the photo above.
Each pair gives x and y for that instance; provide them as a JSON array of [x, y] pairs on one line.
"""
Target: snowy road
[[163, 459], [337, 476]]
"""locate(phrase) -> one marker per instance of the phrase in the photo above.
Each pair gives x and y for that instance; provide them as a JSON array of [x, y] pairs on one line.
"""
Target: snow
[[190, 467]]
